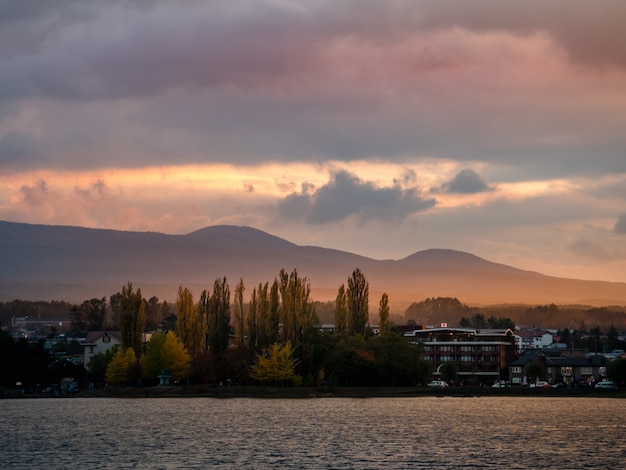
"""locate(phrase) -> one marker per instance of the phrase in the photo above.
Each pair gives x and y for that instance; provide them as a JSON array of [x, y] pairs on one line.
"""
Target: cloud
[[18, 148], [346, 195], [35, 195], [620, 225], [588, 249], [249, 81], [467, 181], [592, 33]]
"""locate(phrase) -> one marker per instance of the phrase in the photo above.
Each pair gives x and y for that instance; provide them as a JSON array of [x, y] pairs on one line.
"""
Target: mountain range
[[41, 262]]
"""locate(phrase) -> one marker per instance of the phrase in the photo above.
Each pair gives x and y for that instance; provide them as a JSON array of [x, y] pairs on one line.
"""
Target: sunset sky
[[376, 127]]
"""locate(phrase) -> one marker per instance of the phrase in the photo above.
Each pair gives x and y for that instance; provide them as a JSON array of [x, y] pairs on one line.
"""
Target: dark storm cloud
[[248, 81], [18, 146], [64, 49], [620, 225], [346, 195], [467, 181], [591, 32]]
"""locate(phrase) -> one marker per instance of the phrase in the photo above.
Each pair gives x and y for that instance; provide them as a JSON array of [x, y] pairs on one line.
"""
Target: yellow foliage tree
[[166, 351], [277, 365], [120, 369]]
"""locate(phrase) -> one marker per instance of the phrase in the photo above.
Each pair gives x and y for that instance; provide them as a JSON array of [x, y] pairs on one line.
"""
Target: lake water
[[372, 433]]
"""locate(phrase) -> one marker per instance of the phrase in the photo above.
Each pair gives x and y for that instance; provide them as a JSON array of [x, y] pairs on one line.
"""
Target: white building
[[100, 342]]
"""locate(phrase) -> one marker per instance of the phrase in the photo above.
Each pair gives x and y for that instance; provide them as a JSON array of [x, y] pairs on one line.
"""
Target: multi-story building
[[482, 357]]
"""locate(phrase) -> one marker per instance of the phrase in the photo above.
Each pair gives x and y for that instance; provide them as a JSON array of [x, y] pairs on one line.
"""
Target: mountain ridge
[[58, 262]]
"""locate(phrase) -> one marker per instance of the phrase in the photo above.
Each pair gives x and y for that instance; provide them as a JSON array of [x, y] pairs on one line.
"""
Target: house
[[480, 355], [100, 342], [534, 338], [561, 368]]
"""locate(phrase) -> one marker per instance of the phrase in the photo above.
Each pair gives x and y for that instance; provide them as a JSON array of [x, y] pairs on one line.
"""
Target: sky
[[376, 127]]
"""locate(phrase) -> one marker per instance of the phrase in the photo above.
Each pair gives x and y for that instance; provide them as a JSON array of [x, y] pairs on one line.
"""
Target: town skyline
[[376, 128]]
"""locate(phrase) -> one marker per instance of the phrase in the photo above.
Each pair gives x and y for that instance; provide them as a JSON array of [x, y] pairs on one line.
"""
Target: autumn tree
[[383, 314], [239, 314], [298, 316], [121, 369], [99, 363], [358, 303], [341, 311], [276, 365], [189, 325], [165, 351], [132, 319]]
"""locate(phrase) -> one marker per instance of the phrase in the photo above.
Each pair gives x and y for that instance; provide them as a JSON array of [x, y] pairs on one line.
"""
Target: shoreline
[[264, 392]]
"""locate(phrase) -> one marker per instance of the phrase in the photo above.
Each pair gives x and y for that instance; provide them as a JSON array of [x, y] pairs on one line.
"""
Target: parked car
[[606, 385], [437, 384], [502, 384], [540, 384]]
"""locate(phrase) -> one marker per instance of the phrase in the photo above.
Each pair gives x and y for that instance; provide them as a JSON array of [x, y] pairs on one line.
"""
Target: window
[[516, 369], [586, 371]]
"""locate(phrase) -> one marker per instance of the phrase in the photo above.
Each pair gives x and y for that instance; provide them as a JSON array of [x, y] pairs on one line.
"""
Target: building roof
[[94, 336]]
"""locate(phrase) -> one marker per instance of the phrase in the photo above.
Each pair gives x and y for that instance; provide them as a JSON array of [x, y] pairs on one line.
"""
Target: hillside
[[71, 263]]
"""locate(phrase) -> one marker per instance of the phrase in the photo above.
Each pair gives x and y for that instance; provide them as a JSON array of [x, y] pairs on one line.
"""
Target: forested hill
[[39, 262]]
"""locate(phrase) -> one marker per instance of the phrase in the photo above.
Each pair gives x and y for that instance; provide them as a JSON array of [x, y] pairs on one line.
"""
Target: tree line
[[274, 337]]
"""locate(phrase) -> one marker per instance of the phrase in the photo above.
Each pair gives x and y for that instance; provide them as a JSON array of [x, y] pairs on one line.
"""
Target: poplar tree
[[218, 324], [239, 314], [300, 321], [383, 314], [358, 303], [341, 311], [274, 313], [189, 325], [263, 305], [132, 319], [253, 321]]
